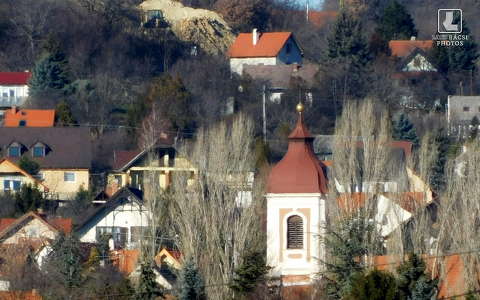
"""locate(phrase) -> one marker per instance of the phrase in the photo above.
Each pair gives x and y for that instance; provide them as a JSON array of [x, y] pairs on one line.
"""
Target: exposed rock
[[200, 26]]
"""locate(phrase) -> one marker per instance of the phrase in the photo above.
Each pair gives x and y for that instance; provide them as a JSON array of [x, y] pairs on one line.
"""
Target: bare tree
[[216, 218]]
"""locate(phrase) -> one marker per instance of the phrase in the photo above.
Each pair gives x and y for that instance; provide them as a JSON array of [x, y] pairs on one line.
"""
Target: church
[[296, 210]]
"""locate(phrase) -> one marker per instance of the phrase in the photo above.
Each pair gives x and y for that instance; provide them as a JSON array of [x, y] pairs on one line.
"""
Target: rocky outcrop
[[205, 28]]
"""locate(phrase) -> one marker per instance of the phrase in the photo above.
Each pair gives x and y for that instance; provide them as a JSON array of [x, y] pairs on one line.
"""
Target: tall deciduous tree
[[245, 15]]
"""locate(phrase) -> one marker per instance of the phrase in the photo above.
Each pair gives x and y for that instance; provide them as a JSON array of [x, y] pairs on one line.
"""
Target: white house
[[13, 89], [412, 55], [269, 48], [296, 211], [123, 217]]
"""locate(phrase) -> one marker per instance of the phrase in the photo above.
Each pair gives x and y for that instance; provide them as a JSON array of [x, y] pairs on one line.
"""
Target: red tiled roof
[[121, 158], [14, 78], [32, 117], [349, 202], [404, 48], [299, 171], [321, 18], [405, 146], [125, 260], [64, 225], [4, 223], [269, 44], [409, 201]]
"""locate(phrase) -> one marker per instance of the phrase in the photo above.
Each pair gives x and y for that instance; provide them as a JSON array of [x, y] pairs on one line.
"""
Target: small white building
[[123, 218], [296, 211], [13, 89], [269, 48]]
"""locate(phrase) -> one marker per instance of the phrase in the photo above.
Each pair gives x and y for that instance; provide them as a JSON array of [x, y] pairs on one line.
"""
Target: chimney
[[14, 109], [255, 36], [413, 38]]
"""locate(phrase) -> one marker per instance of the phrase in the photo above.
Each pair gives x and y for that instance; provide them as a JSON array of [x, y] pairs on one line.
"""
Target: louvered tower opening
[[295, 232]]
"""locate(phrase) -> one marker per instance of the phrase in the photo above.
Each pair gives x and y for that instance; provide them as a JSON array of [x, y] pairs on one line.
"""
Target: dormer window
[[38, 151], [14, 150], [22, 123]]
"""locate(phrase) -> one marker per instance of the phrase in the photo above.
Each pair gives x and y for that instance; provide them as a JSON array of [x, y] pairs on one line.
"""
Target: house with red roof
[[412, 55], [15, 117], [13, 88], [268, 48]]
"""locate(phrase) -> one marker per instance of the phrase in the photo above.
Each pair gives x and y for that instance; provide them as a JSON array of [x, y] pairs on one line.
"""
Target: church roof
[[299, 171]]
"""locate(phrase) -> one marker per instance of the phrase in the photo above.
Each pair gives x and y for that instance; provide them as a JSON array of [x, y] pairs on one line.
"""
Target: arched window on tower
[[295, 232]]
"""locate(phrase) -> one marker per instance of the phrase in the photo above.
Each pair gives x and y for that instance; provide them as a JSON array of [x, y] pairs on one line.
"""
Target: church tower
[[296, 210]]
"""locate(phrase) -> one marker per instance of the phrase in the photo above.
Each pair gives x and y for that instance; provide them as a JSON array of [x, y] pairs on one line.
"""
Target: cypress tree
[[63, 114], [396, 23], [191, 283], [404, 130], [437, 178], [148, 288], [412, 281]]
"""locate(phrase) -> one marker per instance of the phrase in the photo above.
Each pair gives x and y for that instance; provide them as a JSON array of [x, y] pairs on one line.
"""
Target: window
[[118, 180], [12, 93], [22, 123], [295, 232], [466, 108], [14, 151], [16, 185], [118, 234], [69, 177], [154, 14], [6, 185], [38, 151]]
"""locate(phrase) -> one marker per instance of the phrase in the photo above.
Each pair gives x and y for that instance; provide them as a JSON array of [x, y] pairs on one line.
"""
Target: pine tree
[[463, 58], [396, 23], [50, 74], [376, 285], [191, 284], [412, 281], [350, 240], [29, 198], [403, 130], [249, 273], [349, 55], [148, 288], [63, 115]]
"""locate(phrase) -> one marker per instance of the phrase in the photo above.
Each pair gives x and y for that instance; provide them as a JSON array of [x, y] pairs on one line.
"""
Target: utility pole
[[264, 116]]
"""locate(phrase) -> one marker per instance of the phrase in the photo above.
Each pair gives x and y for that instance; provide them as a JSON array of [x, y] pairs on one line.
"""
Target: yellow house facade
[[12, 178]]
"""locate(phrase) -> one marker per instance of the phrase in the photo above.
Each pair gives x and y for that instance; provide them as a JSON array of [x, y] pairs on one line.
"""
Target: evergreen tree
[[463, 58], [350, 240], [376, 285], [349, 54], [249, 273], [396, 23], [191, 283], [437, 178], [347, 43], [474, 130], [28, 165], [29, 198], [404, 130], [50, 74], [63, 115], [412, 281], [64, 262], [148, 288], [454, 59]]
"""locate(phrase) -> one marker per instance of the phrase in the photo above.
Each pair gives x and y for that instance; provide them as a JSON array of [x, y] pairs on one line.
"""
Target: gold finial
[[300, 107]]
